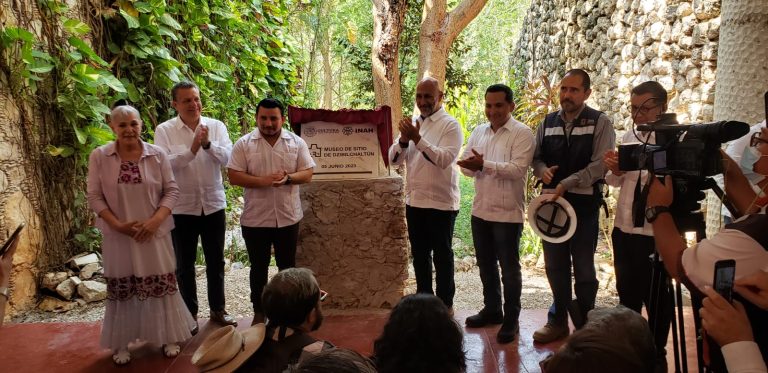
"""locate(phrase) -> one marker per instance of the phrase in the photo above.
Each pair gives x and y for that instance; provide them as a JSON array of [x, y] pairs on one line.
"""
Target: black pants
[[258, 242], [497, 242], [634, 267], [430, 232], [210, 229], [579, 250]]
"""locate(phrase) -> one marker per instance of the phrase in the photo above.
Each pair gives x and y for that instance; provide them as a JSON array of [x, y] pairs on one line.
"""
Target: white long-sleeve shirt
[[198, 175], [628, 182], [431, 179], [500, 186]]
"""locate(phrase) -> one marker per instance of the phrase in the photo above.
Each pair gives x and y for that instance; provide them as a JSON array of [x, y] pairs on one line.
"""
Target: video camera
[[690, 153], [687, 150]]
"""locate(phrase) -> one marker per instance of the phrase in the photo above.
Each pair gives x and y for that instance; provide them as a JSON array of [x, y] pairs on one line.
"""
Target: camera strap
[[638, 202]]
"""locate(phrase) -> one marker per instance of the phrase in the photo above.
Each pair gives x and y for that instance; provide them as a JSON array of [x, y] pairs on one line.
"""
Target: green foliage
[[462, 231], [234, 51]]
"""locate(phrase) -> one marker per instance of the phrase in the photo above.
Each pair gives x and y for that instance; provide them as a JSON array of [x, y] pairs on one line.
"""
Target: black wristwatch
[[206, 146], [288, 180], [652, 213]]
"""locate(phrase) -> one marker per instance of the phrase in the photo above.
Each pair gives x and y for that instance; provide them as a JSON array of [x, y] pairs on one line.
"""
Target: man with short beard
[[570, 145], [270, 163], [428, 146]]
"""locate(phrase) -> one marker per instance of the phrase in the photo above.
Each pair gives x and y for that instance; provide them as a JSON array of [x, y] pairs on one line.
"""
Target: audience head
[[613, 340], [336, 360], [292, 299], [648, 101], [420, 336]]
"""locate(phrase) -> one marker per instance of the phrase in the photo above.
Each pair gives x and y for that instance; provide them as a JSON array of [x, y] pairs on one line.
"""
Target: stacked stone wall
[[353, 236], [622, 43]]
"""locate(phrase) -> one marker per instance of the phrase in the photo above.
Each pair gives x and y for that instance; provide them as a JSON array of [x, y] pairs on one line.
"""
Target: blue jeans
[[430, 232], [579, 249], [499, 242]]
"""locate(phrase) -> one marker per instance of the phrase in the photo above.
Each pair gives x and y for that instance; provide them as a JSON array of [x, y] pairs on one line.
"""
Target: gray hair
[[290, 296], [123, 110]]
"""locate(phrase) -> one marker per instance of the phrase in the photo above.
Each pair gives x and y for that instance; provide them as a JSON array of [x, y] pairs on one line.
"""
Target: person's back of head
[[336, 360], [420, 336], [290, 296], [613, 340]]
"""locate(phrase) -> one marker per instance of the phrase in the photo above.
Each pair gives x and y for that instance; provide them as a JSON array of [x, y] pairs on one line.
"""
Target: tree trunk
[[388, 17], [439, 28], [742, 72], [327, 71]]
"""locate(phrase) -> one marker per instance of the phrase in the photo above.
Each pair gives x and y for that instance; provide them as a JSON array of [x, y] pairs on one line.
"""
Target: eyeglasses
[[642, 110], [323, 295], [756, 139]]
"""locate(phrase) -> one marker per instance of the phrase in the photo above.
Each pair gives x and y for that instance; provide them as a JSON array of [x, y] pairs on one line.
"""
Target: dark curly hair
[[420, 336]]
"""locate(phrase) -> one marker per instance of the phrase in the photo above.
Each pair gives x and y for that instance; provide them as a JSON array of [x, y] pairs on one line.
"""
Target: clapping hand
[[473, 163], [409, 131]]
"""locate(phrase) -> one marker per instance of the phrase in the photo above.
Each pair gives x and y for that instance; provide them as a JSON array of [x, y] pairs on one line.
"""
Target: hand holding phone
[[9, 242], [725, 270]]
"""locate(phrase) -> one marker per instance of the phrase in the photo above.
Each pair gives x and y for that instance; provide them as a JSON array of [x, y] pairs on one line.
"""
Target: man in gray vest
[[570, 145]]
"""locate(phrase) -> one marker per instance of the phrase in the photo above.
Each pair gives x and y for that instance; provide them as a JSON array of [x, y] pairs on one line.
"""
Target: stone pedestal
[[354, 237]]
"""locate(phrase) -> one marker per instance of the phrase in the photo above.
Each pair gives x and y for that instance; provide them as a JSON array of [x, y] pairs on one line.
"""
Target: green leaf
[[76, 27], [216, 77], [169, 21], [143, 7], [133, 93], [86, 50], [82, 136], [112, 82], [165, 31], [40, 66], [133, 22], [97, 107], [16, 33], [59, 151]]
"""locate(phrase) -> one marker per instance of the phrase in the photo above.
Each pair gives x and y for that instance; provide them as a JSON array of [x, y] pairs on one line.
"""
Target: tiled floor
[[74, 347]]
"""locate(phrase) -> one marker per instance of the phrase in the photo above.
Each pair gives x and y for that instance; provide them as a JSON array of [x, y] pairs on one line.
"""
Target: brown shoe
[[223, 318], [550, 333]]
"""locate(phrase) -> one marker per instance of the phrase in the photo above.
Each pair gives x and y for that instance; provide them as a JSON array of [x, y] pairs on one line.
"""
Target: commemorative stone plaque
[[343, 151]]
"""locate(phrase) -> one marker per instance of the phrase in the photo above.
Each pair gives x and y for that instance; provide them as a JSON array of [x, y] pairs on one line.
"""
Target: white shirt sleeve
[[743, 357]]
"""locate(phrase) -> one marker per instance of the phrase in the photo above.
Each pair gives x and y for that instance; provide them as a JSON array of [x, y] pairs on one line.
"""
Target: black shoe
[[223, 318], [577, 316], [483, 318], [508, 332]]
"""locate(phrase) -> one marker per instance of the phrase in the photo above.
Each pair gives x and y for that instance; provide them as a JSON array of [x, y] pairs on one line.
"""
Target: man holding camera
[[570, 145], [745, 241], [632, 236]]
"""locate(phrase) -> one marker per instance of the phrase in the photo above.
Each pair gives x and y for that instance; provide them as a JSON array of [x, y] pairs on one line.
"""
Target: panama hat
[[227, 348], [553, 221]]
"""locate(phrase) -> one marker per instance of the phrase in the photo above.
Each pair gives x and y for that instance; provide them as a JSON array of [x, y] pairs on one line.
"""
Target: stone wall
[[625, 42], [354, 237]]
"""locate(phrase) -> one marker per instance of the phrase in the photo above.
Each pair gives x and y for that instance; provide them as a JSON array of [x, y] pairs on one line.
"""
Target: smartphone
[[725, 270], [11, 239]]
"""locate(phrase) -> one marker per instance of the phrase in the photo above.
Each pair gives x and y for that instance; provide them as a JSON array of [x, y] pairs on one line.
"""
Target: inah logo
[[347, 131], [308, 131]]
